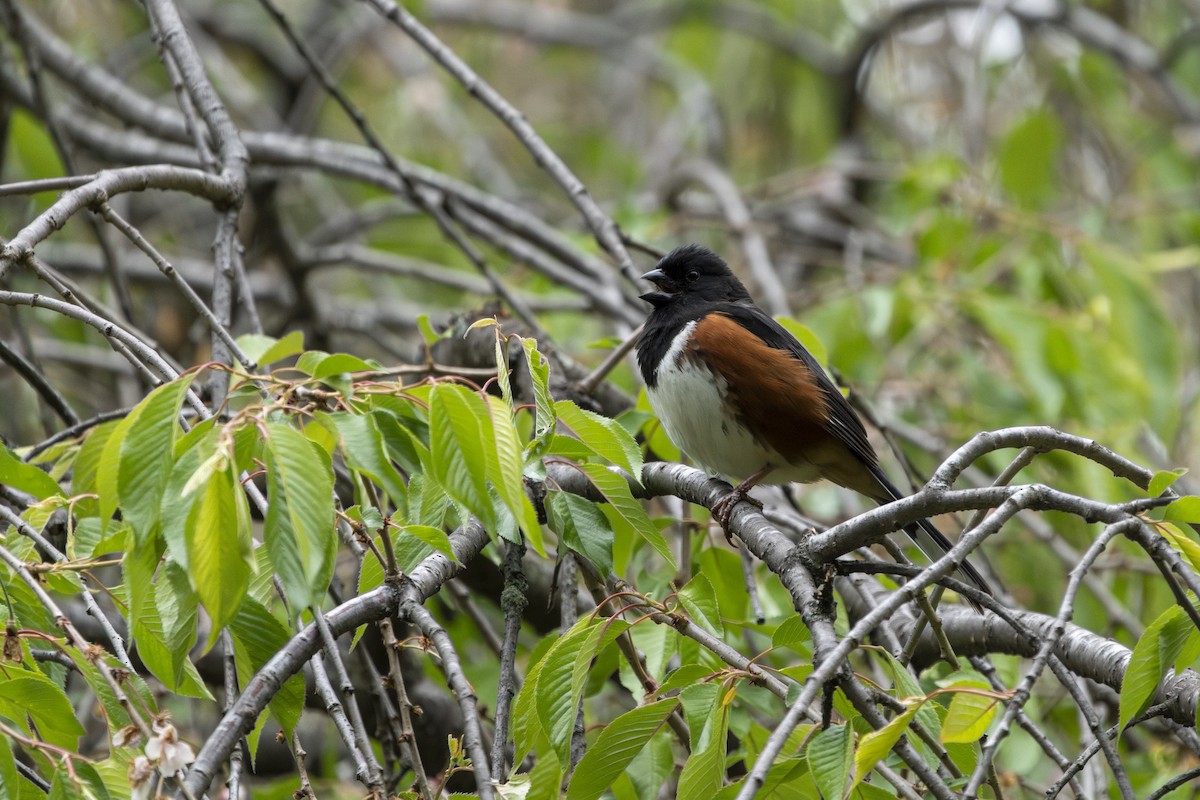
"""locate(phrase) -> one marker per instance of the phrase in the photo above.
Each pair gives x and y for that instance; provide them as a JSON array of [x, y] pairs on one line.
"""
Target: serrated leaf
[[704, 770], [539, 374], [363, 446], [627, 511], [176, 604], [257, 637], [506, 473], [9, 782], [1154, 652], [79, 782], [177, 505], [459, 449], [545, 778], [430, 336], [436, 538], [907, 688], [310, 360], [582, 527], [32, 693], [606, 436], [146, 444], [84, 472], [343, 363], [559, 686], [503, 377], [700, 600], [1185, 509], [875, 746], [1183, 542], [554, 686], [652, 767], [685, 676], [264, 350], [1163, 479], [220, 554], [1189, 653], [829, 757], [298, 528], [618, 744], [16, 473], [792, 633], [969, 714]]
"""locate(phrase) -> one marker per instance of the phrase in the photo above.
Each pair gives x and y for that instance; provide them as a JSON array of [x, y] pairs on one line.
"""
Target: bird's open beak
[[664, 284]]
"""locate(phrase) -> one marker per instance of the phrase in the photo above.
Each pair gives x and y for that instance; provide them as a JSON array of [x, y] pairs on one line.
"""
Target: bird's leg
[[723, 508]]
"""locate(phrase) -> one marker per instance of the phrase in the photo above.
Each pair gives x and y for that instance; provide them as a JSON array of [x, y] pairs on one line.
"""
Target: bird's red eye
[[692, 276]]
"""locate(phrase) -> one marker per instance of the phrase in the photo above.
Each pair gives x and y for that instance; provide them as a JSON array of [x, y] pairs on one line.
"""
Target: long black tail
[[931, 541]]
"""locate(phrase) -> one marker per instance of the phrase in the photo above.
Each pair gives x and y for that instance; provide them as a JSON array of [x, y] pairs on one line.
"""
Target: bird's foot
[[722, 510]]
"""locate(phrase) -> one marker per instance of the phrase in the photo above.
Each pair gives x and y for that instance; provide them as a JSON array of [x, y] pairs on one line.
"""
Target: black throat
[[662, 326]]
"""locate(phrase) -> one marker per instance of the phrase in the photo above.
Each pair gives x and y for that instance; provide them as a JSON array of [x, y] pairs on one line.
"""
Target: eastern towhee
[[742, 397]]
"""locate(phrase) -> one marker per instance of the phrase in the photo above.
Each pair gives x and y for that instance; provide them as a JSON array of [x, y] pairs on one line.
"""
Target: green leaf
[[1189, 652], [700, 600], [907, 688], [539, 374], [583, 528], [1185, 509], [32, 693], [559, 686], [430, 336], [177, 505], [80, 782], [704, 771], [651, 768], [618, 744], [793, 634], [434, 537], [1182, 542], [299, 529], [1028, 157], [606, 436], [363, 446], [220, 554], [503, 379], [1153, 654], [265, 350], [829, 757], [459, 449], [177, 605], [9, 785], [625, 511], [685, 676], [1163, 479], [969, 714], [545, 778], [84, 477], [875, 746], [548, 701], [342, 363], [146, 442], [16, 473], [257, 637], [181, 677], [505, 471]]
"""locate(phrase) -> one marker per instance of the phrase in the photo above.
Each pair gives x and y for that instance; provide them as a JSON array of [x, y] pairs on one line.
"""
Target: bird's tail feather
[[930, 540]]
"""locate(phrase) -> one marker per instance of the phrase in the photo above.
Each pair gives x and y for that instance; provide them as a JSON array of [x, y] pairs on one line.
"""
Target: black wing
[[843, 421]]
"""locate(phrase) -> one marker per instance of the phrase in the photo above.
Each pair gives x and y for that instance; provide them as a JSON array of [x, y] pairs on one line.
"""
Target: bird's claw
[[722, 510]]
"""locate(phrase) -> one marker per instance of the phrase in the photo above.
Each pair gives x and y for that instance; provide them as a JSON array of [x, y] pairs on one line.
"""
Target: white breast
[[688, 399]]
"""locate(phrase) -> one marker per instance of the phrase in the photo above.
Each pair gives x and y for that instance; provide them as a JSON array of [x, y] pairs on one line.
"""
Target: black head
[[693, 273]]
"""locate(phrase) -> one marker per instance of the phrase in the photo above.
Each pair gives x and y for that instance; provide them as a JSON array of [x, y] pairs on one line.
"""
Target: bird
[[744, 398]]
